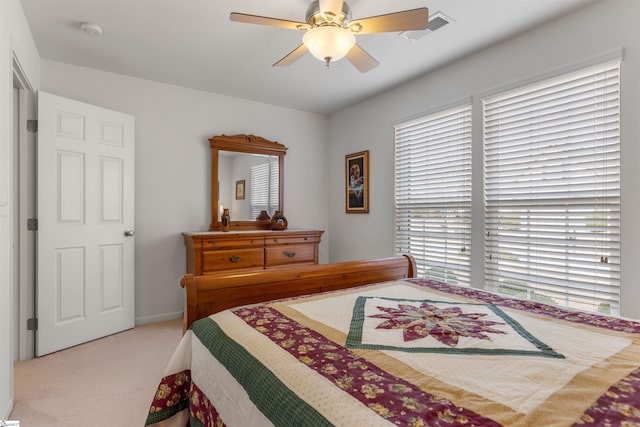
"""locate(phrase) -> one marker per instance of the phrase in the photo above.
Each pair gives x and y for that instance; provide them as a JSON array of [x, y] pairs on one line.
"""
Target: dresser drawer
[[289, 254], [232, 259], [290, 240], [209, 244]]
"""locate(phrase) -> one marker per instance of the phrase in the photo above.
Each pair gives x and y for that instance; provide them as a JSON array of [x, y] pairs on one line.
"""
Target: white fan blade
[[415, 19], [361, 59], [330, 9], [292, 56], [272, 22]]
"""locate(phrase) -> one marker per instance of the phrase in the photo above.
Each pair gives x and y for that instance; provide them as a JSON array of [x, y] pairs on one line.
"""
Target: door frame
[[24, 284]]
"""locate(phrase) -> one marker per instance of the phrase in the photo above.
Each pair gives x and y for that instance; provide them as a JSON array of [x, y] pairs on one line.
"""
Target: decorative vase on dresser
[[225, 219]]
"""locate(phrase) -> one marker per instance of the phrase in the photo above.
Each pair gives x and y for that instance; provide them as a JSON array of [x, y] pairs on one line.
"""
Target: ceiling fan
[[330, 31]]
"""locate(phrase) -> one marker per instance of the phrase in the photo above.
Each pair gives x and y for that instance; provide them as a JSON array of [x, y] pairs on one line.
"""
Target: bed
[[366, 343]]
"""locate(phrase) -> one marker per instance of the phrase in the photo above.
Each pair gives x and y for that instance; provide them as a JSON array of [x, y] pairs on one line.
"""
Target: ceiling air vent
[[436, 21]]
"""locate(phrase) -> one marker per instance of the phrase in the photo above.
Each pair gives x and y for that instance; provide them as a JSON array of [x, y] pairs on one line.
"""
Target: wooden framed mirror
[[239, 166]]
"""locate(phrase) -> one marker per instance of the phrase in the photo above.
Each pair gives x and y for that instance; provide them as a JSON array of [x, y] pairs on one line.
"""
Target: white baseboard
[[158, 318], [4, 415]]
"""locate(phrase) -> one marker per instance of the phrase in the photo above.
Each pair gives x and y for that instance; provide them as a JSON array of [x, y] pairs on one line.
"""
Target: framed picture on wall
[[357, 182], [240, 190]]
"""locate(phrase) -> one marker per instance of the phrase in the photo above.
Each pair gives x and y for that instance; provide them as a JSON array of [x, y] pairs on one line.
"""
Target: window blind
[[264, 188], [433, 194], [552, 190], [274, 185]]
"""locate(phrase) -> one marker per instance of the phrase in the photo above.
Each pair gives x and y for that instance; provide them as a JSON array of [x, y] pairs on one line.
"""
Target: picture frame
[[240, 189], [357, 182]]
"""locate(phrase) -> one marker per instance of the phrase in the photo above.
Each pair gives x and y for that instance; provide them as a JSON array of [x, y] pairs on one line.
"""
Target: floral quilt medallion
[[427, 326]]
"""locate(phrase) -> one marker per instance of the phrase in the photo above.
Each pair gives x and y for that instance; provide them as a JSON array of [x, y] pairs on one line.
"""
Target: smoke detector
[[436, 21], [91, 29]]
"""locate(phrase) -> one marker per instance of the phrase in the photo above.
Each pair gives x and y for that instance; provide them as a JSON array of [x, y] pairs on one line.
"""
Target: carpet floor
[[107, 382]]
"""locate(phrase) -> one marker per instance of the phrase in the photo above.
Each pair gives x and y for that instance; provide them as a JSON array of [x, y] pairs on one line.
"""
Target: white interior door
[[85, 255]]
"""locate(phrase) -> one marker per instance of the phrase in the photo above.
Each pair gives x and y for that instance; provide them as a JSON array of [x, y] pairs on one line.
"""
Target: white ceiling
[[192, 43]]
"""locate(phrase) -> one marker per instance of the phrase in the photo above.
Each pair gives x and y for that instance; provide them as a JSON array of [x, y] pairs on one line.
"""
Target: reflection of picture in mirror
[[240, 190]]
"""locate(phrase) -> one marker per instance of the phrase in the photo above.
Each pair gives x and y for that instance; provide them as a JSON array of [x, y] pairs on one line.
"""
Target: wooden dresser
[[216, 251]]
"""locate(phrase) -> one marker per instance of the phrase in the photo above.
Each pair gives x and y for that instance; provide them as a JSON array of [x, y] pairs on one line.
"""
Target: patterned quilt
[[408, 353]]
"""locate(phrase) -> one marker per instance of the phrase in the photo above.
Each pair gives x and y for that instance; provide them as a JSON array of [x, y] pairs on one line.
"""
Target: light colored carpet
[[107, 382]]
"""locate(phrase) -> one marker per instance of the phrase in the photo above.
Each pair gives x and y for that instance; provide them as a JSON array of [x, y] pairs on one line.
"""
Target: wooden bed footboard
[[212, 293]]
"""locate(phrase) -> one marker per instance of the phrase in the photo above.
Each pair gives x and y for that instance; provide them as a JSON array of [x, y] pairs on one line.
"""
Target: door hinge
[[32, 224], [32, 324], [32, 125]]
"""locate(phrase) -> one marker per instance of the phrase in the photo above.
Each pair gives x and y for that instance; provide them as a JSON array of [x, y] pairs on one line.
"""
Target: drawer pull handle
[[234, 258], [289, 254]]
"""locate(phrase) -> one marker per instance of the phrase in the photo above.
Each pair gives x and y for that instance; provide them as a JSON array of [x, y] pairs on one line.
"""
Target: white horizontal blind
[[433, 194], [274, 184], [264, 188], [552, 190]]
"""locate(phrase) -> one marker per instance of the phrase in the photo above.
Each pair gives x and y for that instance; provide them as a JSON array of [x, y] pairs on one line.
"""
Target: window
[[433, 194], [264, 188], [552, 190]]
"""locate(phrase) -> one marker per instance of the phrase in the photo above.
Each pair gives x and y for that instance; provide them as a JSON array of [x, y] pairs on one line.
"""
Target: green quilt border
[[354, 337], [167, 413], [274, 399]]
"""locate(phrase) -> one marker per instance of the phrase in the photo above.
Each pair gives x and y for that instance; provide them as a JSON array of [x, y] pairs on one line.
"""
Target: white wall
[[588, 33], [173, 166], [15, 38]]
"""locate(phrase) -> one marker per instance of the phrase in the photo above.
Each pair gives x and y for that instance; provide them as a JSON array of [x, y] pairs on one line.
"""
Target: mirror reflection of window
[[264, 187], [234, 167]]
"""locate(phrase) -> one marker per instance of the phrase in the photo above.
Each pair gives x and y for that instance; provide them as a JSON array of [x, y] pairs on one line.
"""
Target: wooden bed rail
[[212, 293]]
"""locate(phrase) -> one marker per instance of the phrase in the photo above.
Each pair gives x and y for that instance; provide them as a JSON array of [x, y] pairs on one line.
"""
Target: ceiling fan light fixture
[[330, 31], [329, 43]]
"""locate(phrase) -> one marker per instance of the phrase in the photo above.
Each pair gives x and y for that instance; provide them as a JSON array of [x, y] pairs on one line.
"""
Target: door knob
[[129, 233]]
